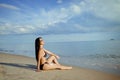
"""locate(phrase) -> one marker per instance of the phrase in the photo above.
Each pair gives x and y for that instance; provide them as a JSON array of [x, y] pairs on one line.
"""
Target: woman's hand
[[57, 56], [37, 70]]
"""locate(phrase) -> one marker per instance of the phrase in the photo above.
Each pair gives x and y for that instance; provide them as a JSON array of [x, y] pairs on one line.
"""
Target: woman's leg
[[52, 59], [55, 66]]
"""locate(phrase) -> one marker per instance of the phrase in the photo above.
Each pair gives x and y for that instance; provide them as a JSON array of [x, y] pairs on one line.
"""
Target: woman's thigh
[[49, 67], [51, 58]]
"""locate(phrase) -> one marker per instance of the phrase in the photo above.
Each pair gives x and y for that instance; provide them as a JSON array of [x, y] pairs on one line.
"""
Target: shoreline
[[17, 67]]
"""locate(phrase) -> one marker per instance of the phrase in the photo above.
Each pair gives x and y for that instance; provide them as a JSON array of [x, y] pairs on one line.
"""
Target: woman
[[44, 63]]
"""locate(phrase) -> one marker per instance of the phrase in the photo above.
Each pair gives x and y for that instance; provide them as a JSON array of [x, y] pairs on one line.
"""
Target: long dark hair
[[37, 47]]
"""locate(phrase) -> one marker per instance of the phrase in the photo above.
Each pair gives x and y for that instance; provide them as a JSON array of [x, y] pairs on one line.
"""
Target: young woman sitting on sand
[[44, 63]]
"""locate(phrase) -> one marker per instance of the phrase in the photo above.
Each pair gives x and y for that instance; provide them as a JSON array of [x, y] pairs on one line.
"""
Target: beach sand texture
[[16, 67]]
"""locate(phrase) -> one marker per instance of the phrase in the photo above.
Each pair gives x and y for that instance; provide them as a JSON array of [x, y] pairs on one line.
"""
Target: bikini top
[[45, 54]]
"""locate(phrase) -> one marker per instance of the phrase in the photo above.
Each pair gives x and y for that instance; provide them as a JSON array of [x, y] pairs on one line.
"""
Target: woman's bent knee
[[52, 57]]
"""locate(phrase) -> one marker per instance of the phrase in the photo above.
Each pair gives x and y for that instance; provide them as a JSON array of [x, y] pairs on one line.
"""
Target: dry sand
[[14, 67]]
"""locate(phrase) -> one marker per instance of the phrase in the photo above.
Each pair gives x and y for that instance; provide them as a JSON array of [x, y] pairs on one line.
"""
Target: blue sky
[[46, 17]]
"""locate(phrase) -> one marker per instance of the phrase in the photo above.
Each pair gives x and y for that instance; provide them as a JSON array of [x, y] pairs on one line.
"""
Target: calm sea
[[99, 55]]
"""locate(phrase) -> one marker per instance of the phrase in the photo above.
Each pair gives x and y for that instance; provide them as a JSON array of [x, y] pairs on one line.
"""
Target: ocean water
[[99, 55]]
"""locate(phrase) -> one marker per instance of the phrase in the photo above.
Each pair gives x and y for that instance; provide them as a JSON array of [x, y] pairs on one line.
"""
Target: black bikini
[[42, 65]]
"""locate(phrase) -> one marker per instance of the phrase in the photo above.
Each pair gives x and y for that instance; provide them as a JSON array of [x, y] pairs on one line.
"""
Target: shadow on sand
[[25, 66]]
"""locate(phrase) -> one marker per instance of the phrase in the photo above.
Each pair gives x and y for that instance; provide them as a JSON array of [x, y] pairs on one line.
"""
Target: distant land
[[112, 39]]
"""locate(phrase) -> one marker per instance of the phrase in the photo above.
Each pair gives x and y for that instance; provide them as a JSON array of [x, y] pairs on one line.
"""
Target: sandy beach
[[16, 67]]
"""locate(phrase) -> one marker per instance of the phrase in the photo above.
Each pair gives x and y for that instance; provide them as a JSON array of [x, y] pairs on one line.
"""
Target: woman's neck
[[41, 46]]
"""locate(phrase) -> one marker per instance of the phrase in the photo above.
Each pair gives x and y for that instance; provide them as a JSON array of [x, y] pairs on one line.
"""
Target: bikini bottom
[[42, 65]]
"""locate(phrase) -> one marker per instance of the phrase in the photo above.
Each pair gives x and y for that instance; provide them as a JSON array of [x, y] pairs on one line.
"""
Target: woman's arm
[[50, 53]]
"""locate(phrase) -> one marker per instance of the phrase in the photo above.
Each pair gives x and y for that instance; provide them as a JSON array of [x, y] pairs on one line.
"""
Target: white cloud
[[22, 29], [76, 9], [62, 14], [59, 1], [81, 28], [89, 29], [42, 19], [108, 9], [8, 28], [8, 6]]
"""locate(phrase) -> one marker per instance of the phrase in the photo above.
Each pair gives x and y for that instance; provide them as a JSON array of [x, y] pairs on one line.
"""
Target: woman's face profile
[[41, 42]]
